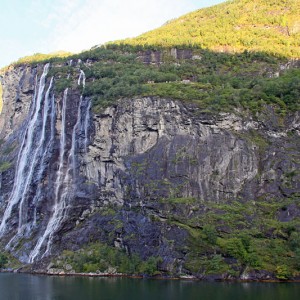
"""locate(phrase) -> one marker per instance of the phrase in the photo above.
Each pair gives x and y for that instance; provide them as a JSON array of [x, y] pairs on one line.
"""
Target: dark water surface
[[33, 287]]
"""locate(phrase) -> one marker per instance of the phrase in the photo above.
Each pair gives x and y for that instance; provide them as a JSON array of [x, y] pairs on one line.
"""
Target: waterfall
[[65, 184], [81, 77], [27, 156], [72, 156], [47, 152], [59, 205], [62, 146], [86, 125], [36, 152], [38, 156]]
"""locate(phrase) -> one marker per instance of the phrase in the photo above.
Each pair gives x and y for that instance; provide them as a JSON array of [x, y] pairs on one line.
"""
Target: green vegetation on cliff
[[213, 81], [271, 26], [99, 257], [228, 237]]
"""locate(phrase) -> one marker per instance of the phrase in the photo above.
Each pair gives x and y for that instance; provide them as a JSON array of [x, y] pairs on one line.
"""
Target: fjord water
[[33, 287]]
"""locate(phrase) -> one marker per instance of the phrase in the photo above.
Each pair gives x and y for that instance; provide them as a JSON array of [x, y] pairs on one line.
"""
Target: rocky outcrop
[[159, 148], [74, 177]]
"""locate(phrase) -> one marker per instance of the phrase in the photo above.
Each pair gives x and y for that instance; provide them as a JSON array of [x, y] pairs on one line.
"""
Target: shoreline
[[156, 277]]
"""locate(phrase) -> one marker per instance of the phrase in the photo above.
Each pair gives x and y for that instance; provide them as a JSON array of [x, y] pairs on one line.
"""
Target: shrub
[[150, 266], [210, 233], [99, 257], [3, 260], [282, 272]]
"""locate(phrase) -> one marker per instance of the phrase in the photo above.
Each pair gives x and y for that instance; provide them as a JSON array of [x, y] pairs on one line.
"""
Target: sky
[[44, 26]]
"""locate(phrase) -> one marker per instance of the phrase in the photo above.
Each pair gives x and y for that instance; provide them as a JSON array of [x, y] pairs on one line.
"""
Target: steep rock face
[[17, 96], [19, 85], [156, 148], [66, 168]]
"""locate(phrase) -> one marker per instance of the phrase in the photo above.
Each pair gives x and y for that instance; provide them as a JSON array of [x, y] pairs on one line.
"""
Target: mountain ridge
[[233, 26], [274, 28]]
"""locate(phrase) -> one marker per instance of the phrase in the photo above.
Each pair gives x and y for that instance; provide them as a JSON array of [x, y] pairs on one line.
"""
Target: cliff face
[[70, 177]]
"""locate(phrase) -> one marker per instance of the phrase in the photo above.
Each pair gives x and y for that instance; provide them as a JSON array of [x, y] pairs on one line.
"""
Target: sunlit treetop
[[271, 26]]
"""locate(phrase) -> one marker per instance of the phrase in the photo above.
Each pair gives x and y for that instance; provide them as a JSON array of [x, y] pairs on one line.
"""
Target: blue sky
[[31, 26]]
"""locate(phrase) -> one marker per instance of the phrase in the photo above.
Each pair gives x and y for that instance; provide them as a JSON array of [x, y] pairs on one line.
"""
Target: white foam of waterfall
[[86, 125], [24, 161], [53, 117], [81, 78]]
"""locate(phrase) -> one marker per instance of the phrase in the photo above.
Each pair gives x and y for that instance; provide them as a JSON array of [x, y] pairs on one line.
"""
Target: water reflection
[[30, 287]]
